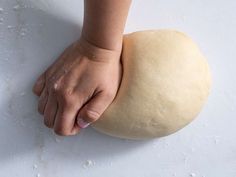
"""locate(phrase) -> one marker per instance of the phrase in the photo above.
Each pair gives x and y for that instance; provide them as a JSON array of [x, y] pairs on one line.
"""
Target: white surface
[[34, 33]]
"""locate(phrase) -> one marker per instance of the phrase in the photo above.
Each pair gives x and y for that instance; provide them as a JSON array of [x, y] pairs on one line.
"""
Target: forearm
[[104, 22]]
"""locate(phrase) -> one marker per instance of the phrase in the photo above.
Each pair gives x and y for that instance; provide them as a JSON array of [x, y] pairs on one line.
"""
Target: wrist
[[94, 52], [103, 40]]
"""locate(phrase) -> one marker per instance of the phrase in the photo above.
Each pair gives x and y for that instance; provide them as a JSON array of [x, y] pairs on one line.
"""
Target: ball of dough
[[165, 82]]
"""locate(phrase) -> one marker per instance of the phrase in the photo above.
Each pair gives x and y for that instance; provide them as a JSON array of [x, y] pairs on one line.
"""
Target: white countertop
[[34, 33]]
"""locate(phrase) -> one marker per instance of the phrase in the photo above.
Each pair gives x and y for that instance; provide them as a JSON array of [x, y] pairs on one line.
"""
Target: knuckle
[[68, 101], [47, 74], [40, 111], [51, 81], [35, 91], [38, 85], [67, 97], [42, 77], [92, 115], [109, 95], [48, 81], [65, 92]]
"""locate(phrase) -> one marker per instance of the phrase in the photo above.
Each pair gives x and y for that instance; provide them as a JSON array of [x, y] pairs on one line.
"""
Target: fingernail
[[82, 123]]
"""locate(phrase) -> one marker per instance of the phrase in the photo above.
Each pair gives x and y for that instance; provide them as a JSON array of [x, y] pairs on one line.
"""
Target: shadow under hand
[[32, 40], [89, 145], [23, 132]]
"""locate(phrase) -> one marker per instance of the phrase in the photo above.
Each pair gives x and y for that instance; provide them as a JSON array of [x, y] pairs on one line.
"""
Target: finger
[[42, 101], [50, 110], [76, 129], [65, 118], [39, 85], [93, 109]]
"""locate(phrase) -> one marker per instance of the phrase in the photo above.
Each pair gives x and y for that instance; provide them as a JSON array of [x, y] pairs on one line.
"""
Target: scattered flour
[[216, 140], [88, 163], [16, 7], [57, 140], [22, 94], [22, 33], [192, 149], [9, 27], [184, 18], [1, 10], [192, 174], [35, 166]]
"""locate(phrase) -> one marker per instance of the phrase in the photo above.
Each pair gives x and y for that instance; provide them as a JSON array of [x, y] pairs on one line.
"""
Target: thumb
[[39, 85], [93, 109]]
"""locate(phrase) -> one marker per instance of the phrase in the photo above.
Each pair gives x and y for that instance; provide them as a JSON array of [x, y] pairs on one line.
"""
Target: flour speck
[[9, 27], [35, 166], [192, 174], [22, 94], [88, 163], [16, 7], [22, 33], [1, 10], [216, 140], [57, 140]]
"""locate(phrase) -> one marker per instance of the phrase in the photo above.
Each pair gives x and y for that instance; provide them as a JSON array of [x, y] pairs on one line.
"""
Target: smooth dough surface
[[165, 82]]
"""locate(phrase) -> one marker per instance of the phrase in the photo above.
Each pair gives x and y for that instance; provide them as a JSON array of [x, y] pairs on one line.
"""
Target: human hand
[[77, 88]]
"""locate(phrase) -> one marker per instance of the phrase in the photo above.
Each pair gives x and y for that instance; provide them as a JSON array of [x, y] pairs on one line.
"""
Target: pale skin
[[78, 87]]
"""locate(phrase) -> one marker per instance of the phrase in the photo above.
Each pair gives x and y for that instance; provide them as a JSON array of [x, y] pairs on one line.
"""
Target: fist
[[77, 88]]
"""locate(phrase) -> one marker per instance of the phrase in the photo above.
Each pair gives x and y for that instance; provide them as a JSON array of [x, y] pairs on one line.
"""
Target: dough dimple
[[166, 81]]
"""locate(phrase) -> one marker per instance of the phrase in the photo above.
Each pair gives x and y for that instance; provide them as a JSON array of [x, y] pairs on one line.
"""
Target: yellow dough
[[165, 82]]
